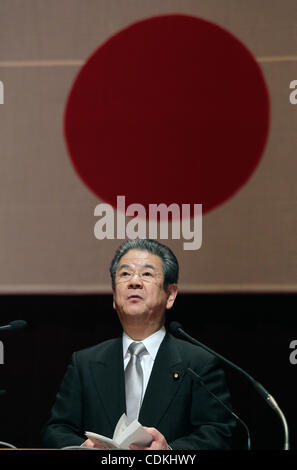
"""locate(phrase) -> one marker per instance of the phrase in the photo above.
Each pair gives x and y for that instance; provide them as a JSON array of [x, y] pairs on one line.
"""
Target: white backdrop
[[47, 241]]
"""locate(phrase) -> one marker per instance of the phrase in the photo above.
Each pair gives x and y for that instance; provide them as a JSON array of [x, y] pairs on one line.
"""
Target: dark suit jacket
[[92, 397]]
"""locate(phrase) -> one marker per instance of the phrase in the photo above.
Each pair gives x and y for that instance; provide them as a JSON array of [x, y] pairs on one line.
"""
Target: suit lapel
[[165, 379], [108, 374]]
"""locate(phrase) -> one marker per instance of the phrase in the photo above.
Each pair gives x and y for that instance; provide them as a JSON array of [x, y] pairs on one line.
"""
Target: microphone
[[176, 327], [15, 325], [198, 378]]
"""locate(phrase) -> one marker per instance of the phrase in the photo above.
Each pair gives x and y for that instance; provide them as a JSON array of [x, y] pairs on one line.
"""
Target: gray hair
[[170, 266]]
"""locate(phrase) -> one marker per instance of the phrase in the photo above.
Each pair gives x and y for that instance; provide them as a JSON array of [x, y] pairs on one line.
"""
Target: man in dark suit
[[177, 411]]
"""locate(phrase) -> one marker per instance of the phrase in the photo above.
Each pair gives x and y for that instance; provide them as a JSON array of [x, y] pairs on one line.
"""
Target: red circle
[[172, 109]]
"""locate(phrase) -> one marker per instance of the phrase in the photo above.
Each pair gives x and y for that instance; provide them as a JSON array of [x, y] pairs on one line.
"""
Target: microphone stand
[[13, 325], [258, 387], [197, 378], [6, 444]]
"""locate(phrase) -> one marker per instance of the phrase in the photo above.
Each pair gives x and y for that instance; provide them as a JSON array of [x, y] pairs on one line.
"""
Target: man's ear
[[171, 295]]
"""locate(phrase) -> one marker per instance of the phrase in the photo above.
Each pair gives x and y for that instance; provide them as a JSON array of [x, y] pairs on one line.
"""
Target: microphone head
[[175, 326], [18, 324]]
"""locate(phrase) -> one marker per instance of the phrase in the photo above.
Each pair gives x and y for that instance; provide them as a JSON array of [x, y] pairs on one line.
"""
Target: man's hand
[[89, 443], [158, 442]]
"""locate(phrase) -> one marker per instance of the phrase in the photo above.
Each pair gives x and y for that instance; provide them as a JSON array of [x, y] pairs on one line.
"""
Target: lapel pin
[[176, 375]]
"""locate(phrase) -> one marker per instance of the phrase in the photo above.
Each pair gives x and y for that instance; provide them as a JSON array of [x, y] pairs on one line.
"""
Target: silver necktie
[[133, 380]]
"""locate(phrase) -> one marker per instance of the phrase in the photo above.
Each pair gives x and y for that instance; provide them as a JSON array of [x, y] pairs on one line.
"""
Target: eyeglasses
[[146, 275]]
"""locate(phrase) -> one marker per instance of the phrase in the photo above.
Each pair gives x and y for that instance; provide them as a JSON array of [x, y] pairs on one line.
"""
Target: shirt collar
[[152, 342]]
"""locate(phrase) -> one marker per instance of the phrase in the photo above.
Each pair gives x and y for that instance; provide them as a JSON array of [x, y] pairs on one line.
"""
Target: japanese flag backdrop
[[161, 101]]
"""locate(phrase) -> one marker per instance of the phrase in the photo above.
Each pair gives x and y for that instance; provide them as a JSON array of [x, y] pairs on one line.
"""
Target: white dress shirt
[[152, 344]]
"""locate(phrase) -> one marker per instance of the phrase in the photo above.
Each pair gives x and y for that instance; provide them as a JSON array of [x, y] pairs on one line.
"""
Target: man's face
[[139, 292]]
